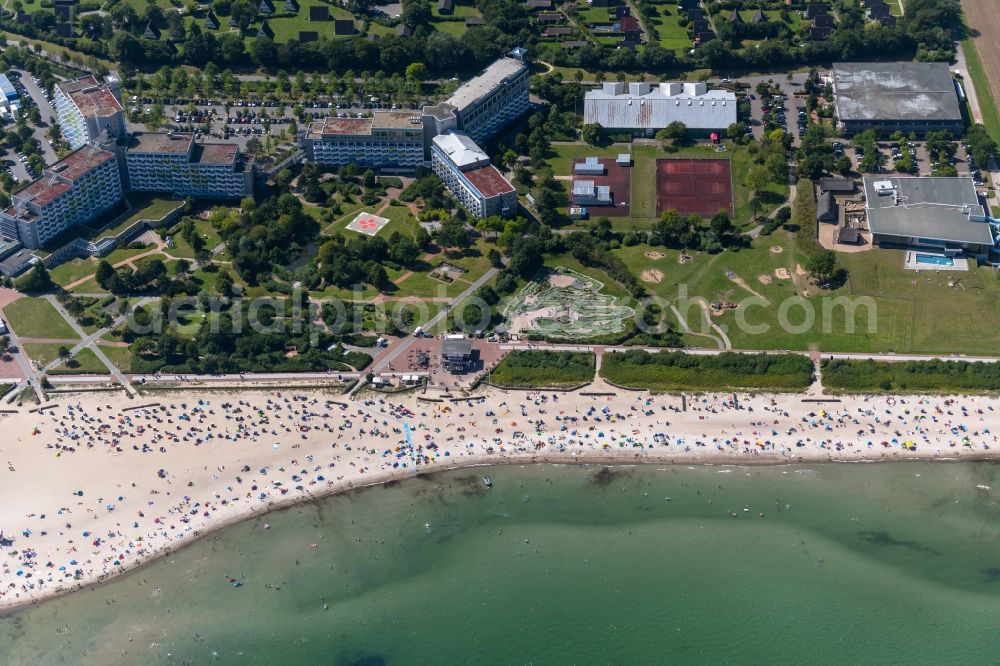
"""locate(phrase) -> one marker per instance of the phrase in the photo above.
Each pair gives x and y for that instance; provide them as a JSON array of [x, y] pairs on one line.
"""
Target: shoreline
[[291, 503], [108, 464]]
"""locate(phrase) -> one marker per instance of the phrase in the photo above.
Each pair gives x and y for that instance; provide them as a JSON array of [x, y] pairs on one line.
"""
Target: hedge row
[[671, 371], [911, 376], [537, 369]]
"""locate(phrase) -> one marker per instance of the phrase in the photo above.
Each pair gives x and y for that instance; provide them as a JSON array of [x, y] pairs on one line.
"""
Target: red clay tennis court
[[702, 187]]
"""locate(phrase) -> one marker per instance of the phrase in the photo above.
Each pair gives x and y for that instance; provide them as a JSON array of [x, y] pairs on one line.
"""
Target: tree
[[416, 13], [4, 346], [104, 274], [493, 255], [453, 234], [64, 352], [591, 133], [674, 132], [822, 265], [35, 281], [736, 131], [254, 146], [843, 165], [416, 71]]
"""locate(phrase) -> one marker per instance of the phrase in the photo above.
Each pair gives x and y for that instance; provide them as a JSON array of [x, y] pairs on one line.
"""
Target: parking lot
[[244, 118]]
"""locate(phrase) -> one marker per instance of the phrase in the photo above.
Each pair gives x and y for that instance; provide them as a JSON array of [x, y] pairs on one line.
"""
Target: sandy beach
[[96, 484]]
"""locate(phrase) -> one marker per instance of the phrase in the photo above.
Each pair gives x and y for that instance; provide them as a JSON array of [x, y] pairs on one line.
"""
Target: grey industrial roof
[[15, 262], [895, 91], [716, 109], [935, 207], [478, 87], [826, 207], [836, 184]]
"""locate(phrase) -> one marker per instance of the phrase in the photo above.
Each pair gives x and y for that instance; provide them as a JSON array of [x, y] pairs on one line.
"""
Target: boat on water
[[488, 481]]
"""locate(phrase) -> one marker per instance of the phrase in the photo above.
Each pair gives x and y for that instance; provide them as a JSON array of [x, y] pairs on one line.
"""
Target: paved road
[[30, 377], [90, 342]]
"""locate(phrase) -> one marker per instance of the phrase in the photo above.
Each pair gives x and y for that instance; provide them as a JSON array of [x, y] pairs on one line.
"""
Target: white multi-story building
[[87, 109], [388, 141], [467, 172], [75, 190], [177, 164], [486, 103]]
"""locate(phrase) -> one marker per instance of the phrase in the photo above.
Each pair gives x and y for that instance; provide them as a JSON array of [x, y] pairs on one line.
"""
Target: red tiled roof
[[628, 23], [71, 167], [41, 193], [489, 181], [91, 97]]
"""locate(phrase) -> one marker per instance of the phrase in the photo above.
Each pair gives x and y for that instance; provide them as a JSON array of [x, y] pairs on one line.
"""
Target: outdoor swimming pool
[[934, 260]]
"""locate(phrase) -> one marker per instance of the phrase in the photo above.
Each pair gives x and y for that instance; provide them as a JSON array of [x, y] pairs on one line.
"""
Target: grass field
[[149, 208], [543, 369], [43, 353], [120, 356], [288, 27], [671, 35], [453, 28], [881, 308], [36, 318], [73, 270], [84, 363], [984, 92]]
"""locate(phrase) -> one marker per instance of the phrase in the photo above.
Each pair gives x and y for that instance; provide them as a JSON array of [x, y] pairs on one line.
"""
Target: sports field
[[701, 187]]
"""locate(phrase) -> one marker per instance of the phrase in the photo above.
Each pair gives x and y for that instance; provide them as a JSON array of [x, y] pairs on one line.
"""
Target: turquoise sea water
[[891, 563]]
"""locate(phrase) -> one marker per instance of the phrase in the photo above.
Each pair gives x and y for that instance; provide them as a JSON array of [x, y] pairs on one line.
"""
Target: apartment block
[[388, 141], [462, 165], [88, 109], [75, 190], [176, 164], [491, 100]]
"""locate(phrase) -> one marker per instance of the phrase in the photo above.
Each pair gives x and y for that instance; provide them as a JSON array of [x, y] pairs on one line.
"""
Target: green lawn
[[893, 310], [594, 15], [123, 253], [73, 270], [562, 156], [89, 286], [987, 105], [148, 208], [288, 27], [459, 12], [453, 28], [36, 318], [672, 35], [42, 353], [120, 356], [84, 363]]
